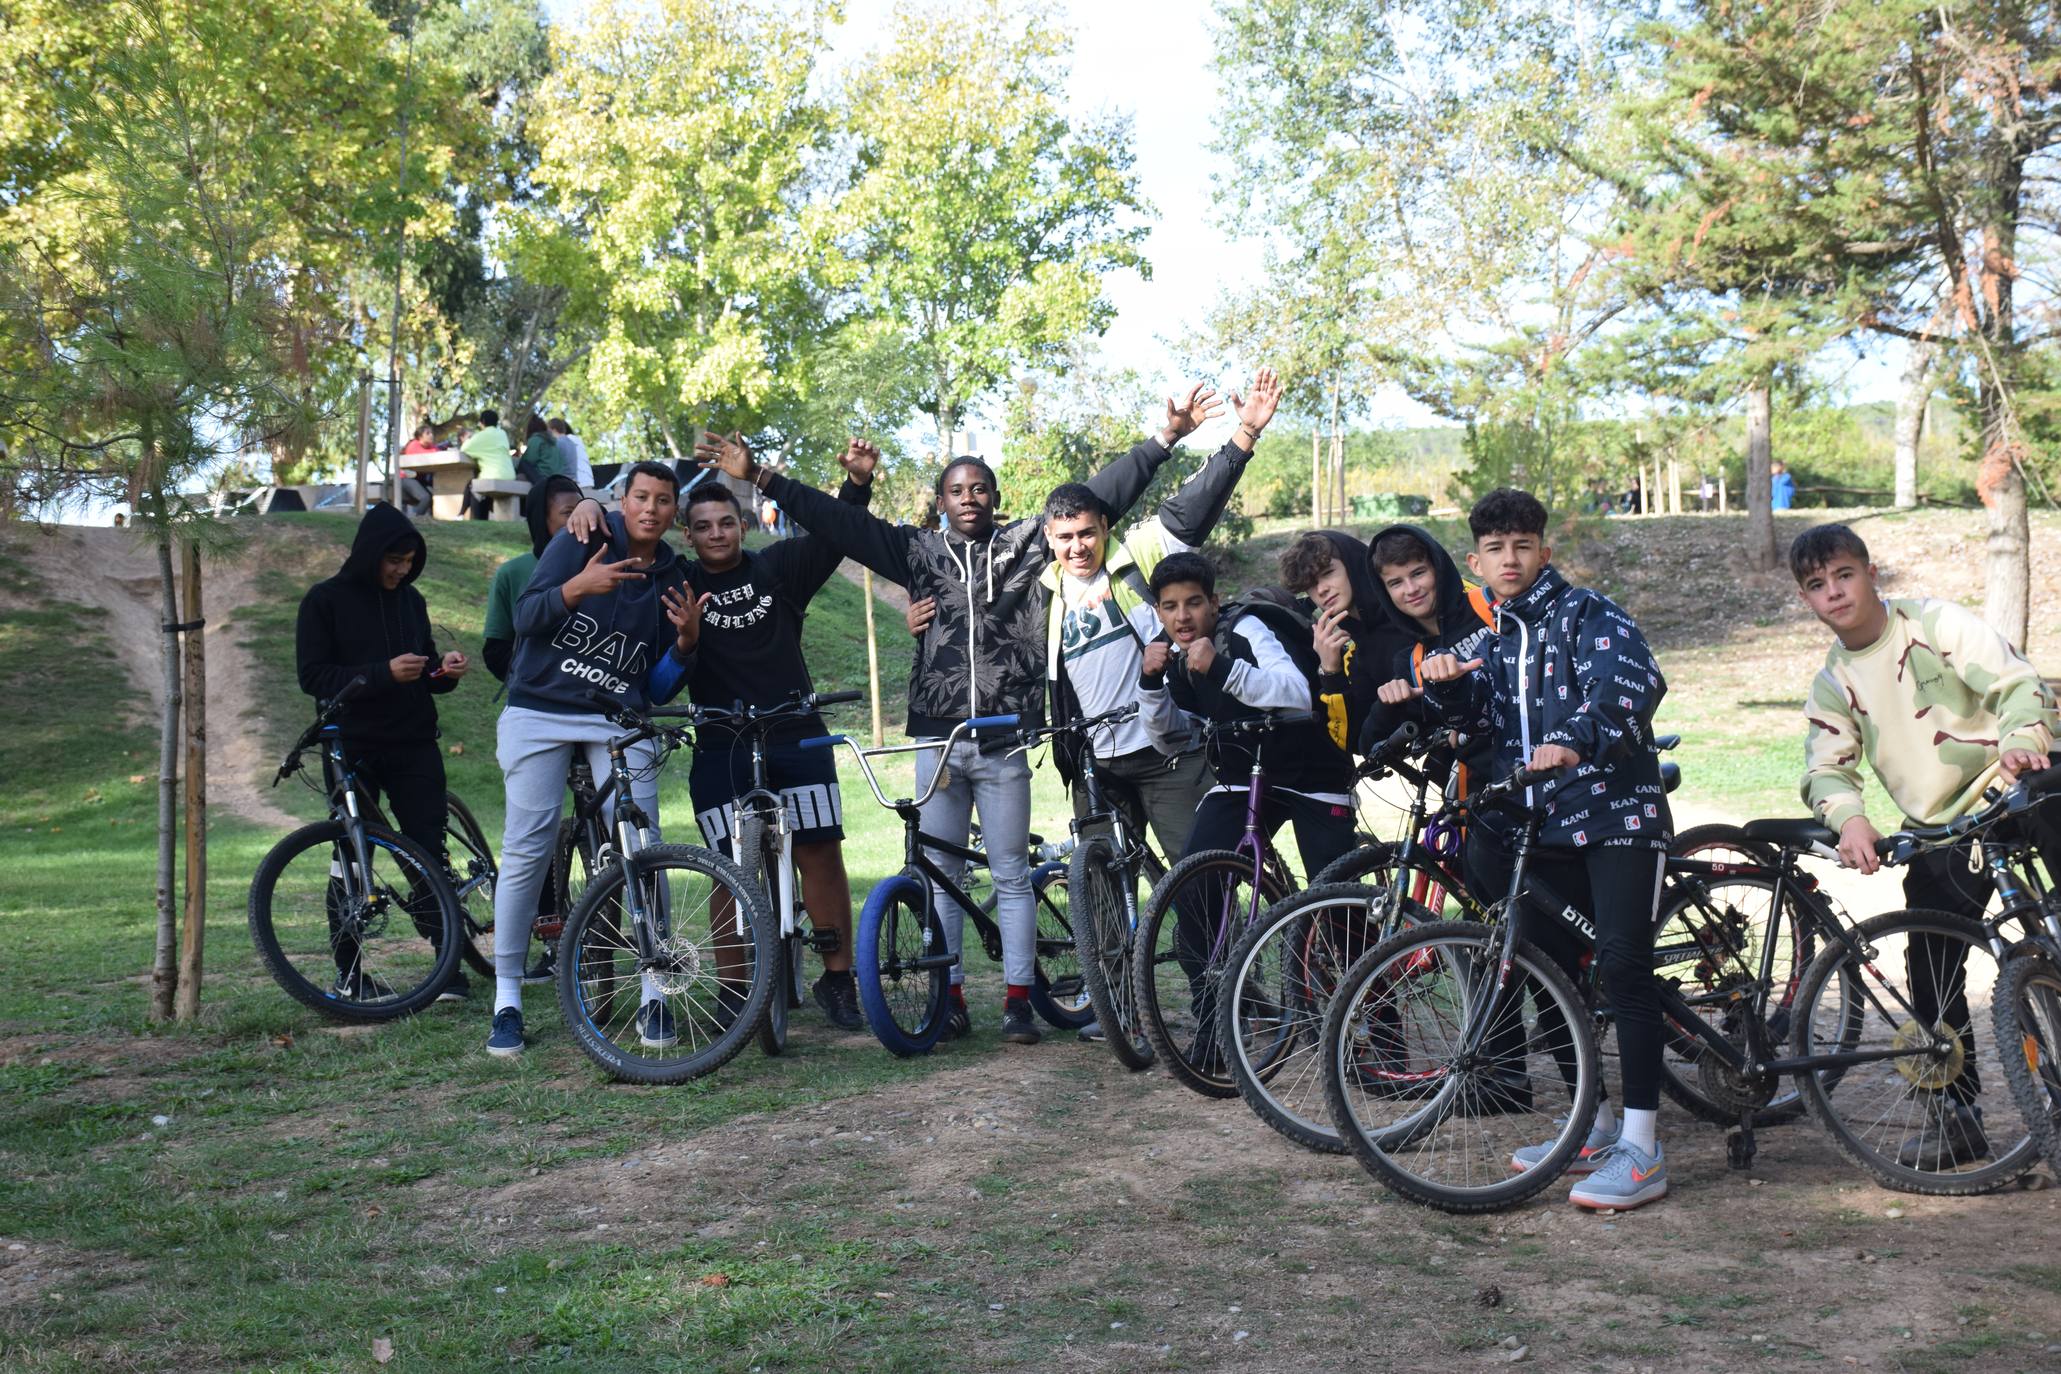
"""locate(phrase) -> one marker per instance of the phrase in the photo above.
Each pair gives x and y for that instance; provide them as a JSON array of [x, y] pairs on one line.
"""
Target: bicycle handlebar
[[1902, 846], [328, 712], [865, 757]]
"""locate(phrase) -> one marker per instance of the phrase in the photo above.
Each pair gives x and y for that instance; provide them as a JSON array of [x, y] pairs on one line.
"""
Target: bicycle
[[1102, 881], [901, 959], [1196, 914], [470, 869], [762, 847], [351, 917], [648, 997], [1424, 1047]]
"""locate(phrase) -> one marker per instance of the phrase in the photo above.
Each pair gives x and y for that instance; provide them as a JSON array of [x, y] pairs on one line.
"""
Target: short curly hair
[[1507, 510], [1306, 560]]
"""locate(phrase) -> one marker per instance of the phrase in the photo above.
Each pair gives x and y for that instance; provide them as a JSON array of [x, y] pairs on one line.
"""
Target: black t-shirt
[[750, 648]]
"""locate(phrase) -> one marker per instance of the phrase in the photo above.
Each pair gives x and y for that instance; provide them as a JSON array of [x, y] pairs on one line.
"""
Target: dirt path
[[122, 580], [884, 591]]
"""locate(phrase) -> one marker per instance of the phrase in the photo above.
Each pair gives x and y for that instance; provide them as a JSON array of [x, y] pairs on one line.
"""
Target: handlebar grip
[[994, 722], [1401, 738], [2041, 783], [1532, 777], [821, 741], [838, 698], [594, 696]]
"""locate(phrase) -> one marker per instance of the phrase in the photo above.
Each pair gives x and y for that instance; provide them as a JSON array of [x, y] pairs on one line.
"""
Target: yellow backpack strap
[[1477, 597]]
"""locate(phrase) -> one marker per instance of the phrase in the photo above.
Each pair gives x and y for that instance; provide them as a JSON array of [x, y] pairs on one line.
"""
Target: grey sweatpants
[[998, 786], [535, 751]]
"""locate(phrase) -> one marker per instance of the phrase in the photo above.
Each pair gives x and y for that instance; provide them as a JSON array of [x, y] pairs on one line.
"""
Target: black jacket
[[1346, 698], [612, 643], [984, 652], [1568, 667], [350, 626], [1461, 630]]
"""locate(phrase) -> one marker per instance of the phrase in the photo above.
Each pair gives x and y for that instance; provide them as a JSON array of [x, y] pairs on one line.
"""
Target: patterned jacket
[[1567, 667]]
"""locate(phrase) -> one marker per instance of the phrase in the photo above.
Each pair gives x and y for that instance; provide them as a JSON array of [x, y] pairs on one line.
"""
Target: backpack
[[1282, 614]]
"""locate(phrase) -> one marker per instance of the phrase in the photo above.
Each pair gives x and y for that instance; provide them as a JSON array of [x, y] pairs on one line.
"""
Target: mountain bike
[[1451, 1044], [666, 965], [351, 917], [470, 869], [901, 959]]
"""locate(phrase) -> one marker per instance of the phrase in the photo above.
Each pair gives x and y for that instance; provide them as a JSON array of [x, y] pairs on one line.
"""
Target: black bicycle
[[350, 916]]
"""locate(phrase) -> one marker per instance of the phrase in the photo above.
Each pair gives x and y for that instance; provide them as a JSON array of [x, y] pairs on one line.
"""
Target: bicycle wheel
[[1196, 915], [902, 966], [691, 1007], [355, 945], [1102, 937], [1719, 842], [2026, 1009], [1903, 1118], [469, 860], [759, 849], [1278, 984], [1057, 992], [1708, 944], [1434, 1121], [1360, 864]]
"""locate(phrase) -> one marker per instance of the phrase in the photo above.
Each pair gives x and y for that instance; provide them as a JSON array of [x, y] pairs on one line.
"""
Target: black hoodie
[[350, 626], [1346, 697], [1461, 630], [611, 643]]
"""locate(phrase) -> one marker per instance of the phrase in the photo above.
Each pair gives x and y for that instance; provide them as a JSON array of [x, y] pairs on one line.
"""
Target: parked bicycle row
[[1437, 999]]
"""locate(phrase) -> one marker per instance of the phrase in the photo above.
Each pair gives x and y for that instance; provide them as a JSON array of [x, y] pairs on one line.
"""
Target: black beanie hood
[[1452, 587], [382, 530], [538, 510]]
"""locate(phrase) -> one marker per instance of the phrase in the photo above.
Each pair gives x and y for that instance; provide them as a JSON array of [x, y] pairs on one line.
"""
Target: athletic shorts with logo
[[805, 779]]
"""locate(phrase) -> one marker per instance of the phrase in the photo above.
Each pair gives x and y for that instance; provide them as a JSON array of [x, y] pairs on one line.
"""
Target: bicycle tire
[[476, 895], [1854, 1129], [1057, 992], [1356, 865], [1212, 878], [1102, 934], [596, 959], [1299, 949], [1719, 837], [1445, 960], [904, 1004], [2026, 1013], [757, 864], [1729, 942], [425, 977]]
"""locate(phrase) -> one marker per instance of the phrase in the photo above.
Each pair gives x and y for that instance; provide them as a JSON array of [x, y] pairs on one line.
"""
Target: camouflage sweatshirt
[[1930, 705]]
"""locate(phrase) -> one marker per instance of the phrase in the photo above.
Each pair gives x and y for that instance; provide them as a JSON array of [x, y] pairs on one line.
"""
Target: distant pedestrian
[[573, 449], [1781, 487]]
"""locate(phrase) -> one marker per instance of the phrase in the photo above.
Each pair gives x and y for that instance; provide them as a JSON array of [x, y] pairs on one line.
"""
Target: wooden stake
[[873, 666], [1674, 485], [364, 440], [1721, 491], [164, 969], [186, 1005]]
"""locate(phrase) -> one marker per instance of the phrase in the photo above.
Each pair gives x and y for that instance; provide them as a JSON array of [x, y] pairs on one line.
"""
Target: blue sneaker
[[655, 1026], [505, 1041], [1586, 1160], [1625, 1177]]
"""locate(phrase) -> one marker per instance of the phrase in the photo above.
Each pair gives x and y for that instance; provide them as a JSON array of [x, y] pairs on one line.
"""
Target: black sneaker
[[655, 1029], [1018, 1027], [1952, 1136], [545, 969], [457, 989], [958, 1021], [838, 995], [360, 986]]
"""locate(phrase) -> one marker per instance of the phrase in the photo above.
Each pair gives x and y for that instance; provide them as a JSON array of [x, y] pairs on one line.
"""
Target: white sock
[[652, 991], [507, 993], [1606, 1117], [1640, 1128]]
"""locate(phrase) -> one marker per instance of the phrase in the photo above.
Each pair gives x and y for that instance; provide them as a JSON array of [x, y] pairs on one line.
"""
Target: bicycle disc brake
[[1919, 1066]]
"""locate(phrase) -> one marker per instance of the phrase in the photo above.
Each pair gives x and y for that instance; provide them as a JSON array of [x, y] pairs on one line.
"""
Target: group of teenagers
[[1057, 617]]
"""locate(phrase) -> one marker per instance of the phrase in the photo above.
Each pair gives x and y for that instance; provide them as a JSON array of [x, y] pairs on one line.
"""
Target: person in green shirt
[[541, 456], [551, 504], [489, 449]]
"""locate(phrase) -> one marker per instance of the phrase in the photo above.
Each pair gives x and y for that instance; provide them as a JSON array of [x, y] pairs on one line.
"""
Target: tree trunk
[[2006, 570], [1317, 475], [1760, 508], [1911, 401], [164, 969], [186, 1004]]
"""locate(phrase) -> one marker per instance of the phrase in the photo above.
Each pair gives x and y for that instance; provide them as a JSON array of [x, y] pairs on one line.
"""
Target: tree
[[979, 220]]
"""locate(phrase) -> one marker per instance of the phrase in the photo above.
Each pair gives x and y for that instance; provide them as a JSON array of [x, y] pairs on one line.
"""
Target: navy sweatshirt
[[1567, 667], [620, 643], [350, 626]]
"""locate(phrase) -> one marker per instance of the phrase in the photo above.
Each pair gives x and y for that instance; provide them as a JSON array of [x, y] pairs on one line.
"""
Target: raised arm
[[803, 565], [854, 532], [1193, 511], [1121, 483]]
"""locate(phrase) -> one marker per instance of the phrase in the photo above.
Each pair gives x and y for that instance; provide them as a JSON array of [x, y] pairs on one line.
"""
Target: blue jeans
[[999, 787]]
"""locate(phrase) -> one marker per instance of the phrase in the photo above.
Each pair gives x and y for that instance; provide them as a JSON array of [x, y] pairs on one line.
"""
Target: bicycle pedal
[[548, 930], [824, 941]]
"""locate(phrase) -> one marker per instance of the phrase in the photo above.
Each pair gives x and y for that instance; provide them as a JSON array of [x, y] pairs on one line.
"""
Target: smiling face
[[967, 498], [716, 531], [1509, 562], [1077, 542], [1414, 589], [1842, 594], [1187, 611], [394, 565], [649, 505]]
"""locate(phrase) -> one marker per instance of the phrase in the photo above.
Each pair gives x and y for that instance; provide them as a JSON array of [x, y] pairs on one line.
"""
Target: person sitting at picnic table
[[541, 457], [489, 449]]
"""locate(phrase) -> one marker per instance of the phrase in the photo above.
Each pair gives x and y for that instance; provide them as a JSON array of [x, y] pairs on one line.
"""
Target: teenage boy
[[1568, 684], [548, 508], [1355, 643], [1433, 610], [1940, 706], [614, 618], [369, 621], [979, 656], [751, 651]]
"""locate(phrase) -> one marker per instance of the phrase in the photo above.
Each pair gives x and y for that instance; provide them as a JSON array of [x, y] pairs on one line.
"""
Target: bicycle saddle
[[1788, 833], [1670, 776]]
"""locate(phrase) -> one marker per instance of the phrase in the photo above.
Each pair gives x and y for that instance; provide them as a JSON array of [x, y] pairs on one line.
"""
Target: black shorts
[[806, 780]]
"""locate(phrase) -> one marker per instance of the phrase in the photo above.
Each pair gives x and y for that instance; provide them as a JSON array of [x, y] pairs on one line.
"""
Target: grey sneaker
[[1625, 1177], [1586, 1160], [457, 990], [655, 1026]]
